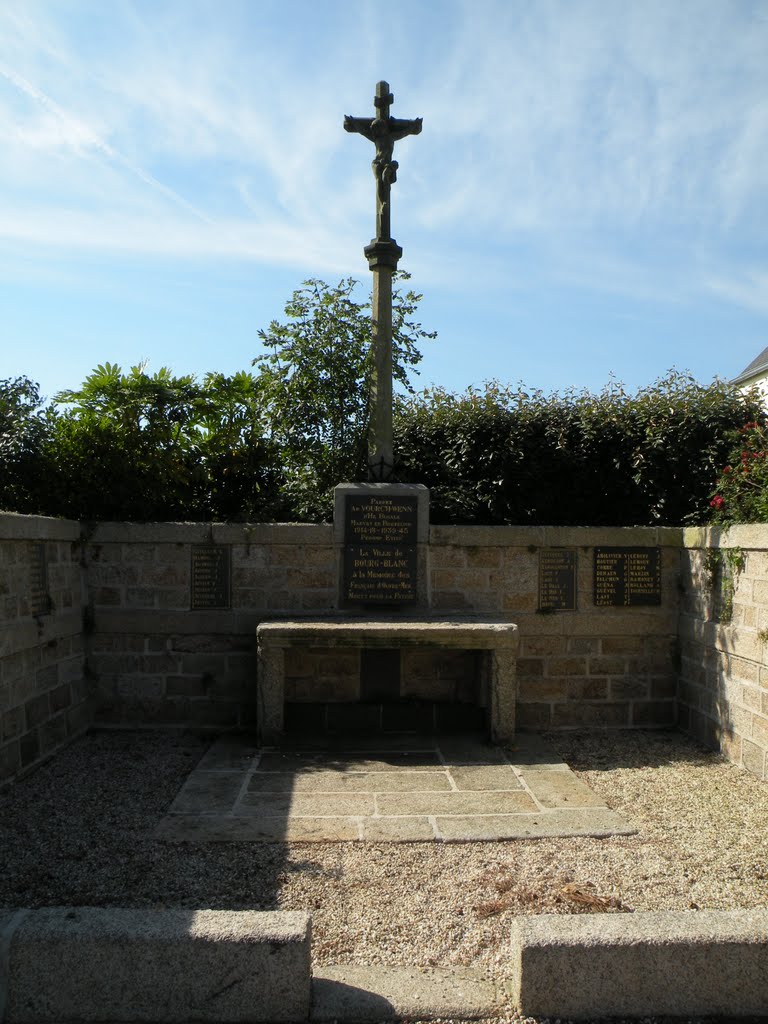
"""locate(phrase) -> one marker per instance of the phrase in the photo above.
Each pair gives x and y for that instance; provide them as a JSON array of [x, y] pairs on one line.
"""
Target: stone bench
[[159, 965], [670, 963], [496, 638]]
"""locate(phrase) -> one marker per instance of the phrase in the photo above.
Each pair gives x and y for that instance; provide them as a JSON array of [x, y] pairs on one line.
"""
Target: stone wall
[[723, 688], [43, 691], [151, 658], [588, 668], [155, 659]]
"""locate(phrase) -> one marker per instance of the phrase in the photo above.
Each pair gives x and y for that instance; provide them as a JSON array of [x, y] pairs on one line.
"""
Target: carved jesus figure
[[383, 131]]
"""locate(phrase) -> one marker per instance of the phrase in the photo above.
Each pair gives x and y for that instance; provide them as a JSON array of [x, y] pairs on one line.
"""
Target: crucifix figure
[[384, 131], [382, 255]]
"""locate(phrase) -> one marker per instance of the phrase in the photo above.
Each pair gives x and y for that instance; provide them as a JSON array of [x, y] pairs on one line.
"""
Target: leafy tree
[[315, 380], [168, 447], [25, 427]]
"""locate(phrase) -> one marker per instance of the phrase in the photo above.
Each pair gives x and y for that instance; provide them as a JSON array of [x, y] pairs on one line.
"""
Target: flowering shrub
[[741, 495]]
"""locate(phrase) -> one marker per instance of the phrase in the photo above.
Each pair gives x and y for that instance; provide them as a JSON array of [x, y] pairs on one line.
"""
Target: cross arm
[[361, 125], [399, 128]]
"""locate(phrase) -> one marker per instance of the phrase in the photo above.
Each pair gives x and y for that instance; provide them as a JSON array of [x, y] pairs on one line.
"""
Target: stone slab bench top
[[480, 633]]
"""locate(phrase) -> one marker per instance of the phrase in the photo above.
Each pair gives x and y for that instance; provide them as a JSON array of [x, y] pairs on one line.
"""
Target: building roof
[[760, 363]]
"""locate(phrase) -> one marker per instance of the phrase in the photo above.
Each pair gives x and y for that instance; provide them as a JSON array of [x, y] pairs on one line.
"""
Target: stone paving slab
[[400, 788], [559, 790], [353, 993], [357, 782]]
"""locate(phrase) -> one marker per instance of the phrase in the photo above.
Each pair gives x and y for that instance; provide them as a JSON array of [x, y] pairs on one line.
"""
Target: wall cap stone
[[211, 533], [748, 535], [556, 536], [14, 526]]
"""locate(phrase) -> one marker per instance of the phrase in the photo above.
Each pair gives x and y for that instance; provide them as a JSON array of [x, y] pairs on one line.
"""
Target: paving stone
[[458, 750], [454, 803], [277, 828], [228, 754], [532, 751], [598, 823], [416, 761], [560, 789], [321, 830], [357, 782], [353, 993], [354, 743], [307, 805], [393, 794], [397, 830], [208, 792], [485, 777]]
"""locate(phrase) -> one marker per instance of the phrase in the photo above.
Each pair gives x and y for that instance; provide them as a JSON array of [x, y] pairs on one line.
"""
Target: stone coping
[[556, 536], [465, 632], [749, 535], [14, 526], [210, 533]]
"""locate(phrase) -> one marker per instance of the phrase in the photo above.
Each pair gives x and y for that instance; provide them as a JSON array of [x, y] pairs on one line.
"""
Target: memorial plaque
[[557, 580], [211, 565], [39, 599], [627, 577], [380, 574], [380, 555], [375, 519]]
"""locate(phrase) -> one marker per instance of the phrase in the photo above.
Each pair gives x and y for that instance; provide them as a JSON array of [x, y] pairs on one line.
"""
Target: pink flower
[[717, 502]]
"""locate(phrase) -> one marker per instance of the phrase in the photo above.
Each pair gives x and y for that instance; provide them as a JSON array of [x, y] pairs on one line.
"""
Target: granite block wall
[[156, 657], [104, 625], [723, 687], [44, 693], [593, 667]]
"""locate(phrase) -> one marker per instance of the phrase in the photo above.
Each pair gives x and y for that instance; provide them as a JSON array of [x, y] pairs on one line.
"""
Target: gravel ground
[[79, 831]]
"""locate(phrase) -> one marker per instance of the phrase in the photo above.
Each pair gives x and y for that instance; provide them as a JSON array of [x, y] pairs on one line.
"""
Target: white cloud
[[551, 128], [749, 289]]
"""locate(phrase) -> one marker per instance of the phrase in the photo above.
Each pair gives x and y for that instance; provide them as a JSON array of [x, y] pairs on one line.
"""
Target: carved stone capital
[[383, 254]]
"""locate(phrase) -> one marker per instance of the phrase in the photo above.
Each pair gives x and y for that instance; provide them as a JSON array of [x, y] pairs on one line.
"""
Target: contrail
[[96, 142]]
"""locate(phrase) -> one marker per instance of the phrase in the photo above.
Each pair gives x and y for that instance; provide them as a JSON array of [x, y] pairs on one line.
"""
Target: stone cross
[[382, 255]]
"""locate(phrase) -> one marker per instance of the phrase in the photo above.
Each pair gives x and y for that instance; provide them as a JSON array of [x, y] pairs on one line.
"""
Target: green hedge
[[507, 455], [135, 447]]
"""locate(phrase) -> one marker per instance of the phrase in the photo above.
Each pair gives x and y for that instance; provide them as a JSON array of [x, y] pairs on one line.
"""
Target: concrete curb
[[94, 964], [646, 964]]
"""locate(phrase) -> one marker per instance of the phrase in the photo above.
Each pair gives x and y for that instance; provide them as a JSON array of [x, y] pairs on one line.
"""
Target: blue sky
[[589, 196]]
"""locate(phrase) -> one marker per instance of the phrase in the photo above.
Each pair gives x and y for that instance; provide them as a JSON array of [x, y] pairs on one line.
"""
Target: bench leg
[[503, 695], [270, 694]]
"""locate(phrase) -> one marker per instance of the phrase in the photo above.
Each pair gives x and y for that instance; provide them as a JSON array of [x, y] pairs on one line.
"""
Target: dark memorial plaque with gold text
[[210, 576], [627, 577], [557, 580], [380, 563]]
